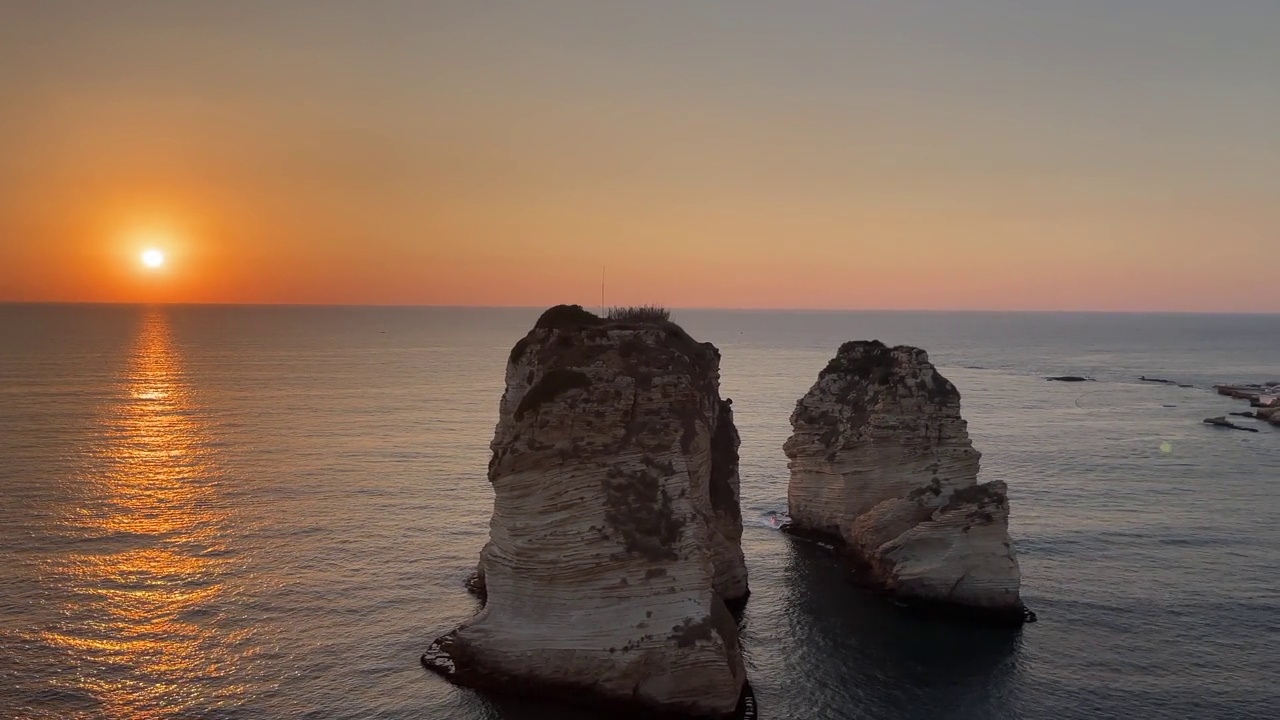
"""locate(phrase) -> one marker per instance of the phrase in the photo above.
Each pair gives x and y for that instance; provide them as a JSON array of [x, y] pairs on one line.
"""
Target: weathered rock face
[[881, 461], [614, 544]]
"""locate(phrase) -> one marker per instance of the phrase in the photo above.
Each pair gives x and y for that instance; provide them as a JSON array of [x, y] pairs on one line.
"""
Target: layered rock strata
[[614, 551], [881, 463]]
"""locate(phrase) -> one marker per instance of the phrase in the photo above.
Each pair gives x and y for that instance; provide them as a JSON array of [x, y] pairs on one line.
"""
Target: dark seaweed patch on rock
[[638, 507], [688, 633], [552, 385], [974, 495], [934, 488]]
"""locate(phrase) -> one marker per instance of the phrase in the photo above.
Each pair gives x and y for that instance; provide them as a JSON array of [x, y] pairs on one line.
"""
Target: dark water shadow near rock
[[866, 658], [515, 707]]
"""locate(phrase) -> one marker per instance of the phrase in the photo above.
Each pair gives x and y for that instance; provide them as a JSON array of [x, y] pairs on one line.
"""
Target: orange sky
[[732, 155]]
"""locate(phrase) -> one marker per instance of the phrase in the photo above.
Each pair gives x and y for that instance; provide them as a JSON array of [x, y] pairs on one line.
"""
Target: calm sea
[[253, 512]]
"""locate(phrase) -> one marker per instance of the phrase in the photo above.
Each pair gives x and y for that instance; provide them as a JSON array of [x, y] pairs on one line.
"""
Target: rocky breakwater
[[614, 554], [1265, 398], [882, 465]]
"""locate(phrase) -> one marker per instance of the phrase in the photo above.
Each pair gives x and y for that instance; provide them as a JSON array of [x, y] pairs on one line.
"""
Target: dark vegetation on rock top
[[640, 313], [871, 362], [567, 338], [573, 319], [566, 317], [868, 358]]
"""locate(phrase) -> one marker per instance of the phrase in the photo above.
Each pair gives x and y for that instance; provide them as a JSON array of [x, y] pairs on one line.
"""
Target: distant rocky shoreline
[[1265, 398]]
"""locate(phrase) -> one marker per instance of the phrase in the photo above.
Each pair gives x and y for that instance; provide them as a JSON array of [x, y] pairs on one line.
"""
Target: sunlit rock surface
[[881, 462], [615, 540]]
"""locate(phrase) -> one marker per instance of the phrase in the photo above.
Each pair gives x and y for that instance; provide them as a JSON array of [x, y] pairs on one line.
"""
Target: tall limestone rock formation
[[881, 463], [614, 551]]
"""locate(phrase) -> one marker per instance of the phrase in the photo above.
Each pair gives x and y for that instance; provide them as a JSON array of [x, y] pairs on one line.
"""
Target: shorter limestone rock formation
[[881, 464], [614, 554]]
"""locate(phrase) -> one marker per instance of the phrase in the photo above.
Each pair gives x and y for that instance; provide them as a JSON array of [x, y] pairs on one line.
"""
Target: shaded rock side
[[881, 462], [615, 538]]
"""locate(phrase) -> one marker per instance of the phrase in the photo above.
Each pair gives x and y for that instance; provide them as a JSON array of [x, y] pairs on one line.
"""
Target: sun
[[153, 258]]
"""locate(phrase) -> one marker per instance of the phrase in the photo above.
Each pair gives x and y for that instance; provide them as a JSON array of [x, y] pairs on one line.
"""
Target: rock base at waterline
[[933, 609], [439, 659]]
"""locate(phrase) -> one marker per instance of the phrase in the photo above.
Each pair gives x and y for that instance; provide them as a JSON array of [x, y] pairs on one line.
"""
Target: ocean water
[[268, 512]]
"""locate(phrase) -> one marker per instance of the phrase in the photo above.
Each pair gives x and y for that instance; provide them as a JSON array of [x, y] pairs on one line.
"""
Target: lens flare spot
[[1166, 447]]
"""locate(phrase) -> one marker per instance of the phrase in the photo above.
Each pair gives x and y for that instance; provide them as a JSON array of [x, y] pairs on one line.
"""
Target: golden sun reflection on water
[[146, 582]]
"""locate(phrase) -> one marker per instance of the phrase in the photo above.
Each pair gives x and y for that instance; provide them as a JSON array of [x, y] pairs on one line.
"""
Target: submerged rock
[[1069, 378], [881, 463], [614, 552], [1222, 421]]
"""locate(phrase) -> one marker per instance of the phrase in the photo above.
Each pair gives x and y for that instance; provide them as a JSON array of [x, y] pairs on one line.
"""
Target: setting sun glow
[[153, 258], [949, 159]]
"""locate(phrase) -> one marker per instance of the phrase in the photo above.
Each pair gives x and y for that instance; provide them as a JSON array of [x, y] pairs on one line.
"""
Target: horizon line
[[674, 308]]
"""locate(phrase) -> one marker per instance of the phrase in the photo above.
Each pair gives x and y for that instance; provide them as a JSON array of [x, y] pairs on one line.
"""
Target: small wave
[[772, 519], [1201, 541], [66, 696]]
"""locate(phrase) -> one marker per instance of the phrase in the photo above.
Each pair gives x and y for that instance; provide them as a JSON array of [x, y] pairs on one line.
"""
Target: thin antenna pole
[[602, 269]]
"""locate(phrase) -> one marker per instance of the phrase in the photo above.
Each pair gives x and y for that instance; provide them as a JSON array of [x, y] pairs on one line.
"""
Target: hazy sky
[[981, 154]]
